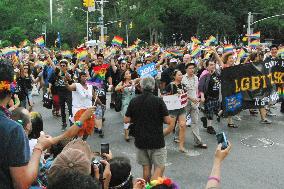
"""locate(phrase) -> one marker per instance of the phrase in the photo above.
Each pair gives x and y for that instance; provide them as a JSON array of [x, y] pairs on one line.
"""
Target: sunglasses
[[26, 68], [62, 65]]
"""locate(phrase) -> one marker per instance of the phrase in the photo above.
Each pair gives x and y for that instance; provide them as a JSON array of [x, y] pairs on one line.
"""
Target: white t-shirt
[[81, 98]]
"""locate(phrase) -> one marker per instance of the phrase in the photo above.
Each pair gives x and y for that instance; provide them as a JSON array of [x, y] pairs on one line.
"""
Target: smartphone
[[222, 139], [105, 148]]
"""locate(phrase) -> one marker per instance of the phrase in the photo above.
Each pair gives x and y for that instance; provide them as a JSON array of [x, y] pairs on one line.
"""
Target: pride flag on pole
[[242, 54], [209, 41], [9, 51], [196, 52], [117, 40], [195, 40], [254, 44], [255, 35], [40, 41], [82, 53], [228, 48], [67, 54]]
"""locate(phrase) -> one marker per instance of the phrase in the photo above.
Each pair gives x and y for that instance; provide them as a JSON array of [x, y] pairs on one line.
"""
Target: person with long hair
[[127, 88], [178, 115]]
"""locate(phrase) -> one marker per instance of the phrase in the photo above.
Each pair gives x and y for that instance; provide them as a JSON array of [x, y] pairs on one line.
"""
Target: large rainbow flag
[[40, 41], [99, 75], [9, 51], [117, 40], [81, 53], [254, 44], [196, 52]]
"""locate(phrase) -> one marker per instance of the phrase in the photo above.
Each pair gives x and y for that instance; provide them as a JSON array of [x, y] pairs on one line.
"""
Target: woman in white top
[[82, 94]]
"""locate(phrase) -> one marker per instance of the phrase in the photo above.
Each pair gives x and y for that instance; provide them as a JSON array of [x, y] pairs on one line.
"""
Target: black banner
[[252, 85]]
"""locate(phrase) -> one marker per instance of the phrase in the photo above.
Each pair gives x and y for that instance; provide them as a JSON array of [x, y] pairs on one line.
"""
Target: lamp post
[[87, 22]]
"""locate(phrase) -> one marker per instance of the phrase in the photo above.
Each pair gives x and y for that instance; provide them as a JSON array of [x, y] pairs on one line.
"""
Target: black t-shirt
[[21, 88], [172, 88], [213, 86], [59, 85], [147, 113], [166, 75]]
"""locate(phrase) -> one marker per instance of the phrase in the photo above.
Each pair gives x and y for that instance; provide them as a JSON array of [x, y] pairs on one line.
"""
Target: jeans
[[65, 98]]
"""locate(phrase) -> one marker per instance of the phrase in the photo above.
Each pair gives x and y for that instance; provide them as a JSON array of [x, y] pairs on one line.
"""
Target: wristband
[[78, 124], [214, 178], [37, 148]]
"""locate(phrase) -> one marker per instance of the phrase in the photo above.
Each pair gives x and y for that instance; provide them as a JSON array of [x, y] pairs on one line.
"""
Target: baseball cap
[[173, 60], [76, 155]]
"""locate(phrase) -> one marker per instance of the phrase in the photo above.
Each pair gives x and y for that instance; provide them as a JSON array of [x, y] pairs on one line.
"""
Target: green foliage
[[152, 19], [5, 43]]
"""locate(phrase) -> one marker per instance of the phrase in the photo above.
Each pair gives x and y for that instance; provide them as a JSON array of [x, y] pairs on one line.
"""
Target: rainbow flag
[[196, 52], [254, 35], [82, 55], [9, 51], [228, 48], [40, 41], [242, 54], [195, 40], [254, 44], [67, 54], [117, 40], [175, 52], [209, 41], [281, 51], [280, 92], [99, 78]]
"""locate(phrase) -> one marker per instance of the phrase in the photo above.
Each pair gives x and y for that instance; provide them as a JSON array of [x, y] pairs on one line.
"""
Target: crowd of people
[[30, 158]]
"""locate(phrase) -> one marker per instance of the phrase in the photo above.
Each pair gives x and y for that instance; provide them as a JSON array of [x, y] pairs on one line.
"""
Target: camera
[[97, 162]]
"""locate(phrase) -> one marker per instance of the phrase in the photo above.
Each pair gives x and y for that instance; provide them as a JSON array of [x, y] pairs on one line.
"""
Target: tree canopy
[[162, 21]]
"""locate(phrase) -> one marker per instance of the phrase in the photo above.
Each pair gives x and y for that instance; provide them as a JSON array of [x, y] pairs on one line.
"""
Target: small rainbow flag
[[117, 40], [195, 40], [196, 52], [254, 44], [255, 35], [242, 54], [175, 52], [209, 41], [82, 54], [228, 48], [280, 92], [40, 41], [9, 51], [281, 51], [67, 54]]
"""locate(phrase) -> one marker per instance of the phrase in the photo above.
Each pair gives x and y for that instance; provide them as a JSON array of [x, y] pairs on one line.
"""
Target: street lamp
[[87, 22]]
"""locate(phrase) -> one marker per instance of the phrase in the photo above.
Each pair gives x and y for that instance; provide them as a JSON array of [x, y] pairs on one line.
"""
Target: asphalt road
[[255, 162]]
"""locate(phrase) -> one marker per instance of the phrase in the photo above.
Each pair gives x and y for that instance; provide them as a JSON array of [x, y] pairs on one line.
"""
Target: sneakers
[[211, 130], [237, 118], [204, 121], [270, 114], [265, 121], [101, 133]]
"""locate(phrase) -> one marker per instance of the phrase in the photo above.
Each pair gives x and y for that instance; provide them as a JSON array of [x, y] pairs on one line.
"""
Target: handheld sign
[[174, 102], [148, 70]]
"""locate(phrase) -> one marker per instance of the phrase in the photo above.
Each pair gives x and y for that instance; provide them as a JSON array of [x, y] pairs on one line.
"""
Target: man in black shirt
[[147, 113], [166, 76]]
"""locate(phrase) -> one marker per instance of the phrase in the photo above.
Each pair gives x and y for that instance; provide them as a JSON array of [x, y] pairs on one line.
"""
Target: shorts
[[99, 112], [178, 112], [158, 157], [211, 107]]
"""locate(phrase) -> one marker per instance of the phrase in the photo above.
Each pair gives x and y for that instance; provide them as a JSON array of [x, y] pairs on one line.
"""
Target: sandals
[[183, 150], [202, 146], [232, 125]]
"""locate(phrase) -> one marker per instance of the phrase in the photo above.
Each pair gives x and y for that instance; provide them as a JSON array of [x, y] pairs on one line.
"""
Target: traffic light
[[131, 25], [120, 24], [89, 3]]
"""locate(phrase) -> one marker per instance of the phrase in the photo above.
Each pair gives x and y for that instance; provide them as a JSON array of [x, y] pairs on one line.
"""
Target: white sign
[[173, 102]]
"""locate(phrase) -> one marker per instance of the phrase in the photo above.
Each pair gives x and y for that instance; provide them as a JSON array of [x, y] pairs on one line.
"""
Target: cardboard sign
[[175, 102], [148, 70]]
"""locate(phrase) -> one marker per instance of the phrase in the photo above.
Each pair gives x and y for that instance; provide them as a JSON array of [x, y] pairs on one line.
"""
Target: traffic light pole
[[87, 37], [102, 23], [126, 29]]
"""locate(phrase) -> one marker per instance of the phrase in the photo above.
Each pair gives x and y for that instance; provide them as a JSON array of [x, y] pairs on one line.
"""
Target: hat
[[64, 61], [173, 60], [123, 62], [76, 155], [147, 55]]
